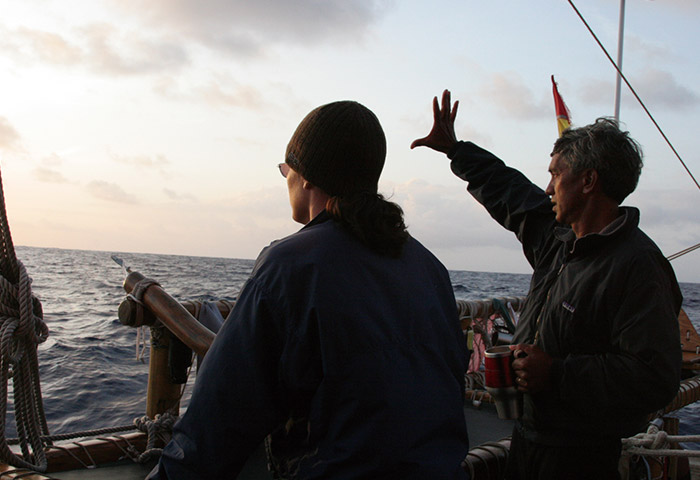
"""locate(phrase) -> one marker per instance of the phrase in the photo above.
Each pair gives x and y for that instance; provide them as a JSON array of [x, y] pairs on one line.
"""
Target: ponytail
[[373, 220]]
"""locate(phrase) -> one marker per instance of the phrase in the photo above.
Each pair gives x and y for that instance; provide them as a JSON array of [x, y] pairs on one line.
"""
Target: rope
[[22, 473], [130, 447], [157, 428], [22, 328], [481, 459], [129, 452], [683, 252], [66, 450], [84, 434], [656, 442], [141, 343], [142, 314]]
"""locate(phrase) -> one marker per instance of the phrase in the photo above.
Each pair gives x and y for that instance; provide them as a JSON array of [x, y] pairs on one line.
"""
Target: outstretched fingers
[[441, 136], [446, 104], [453, 114], [436, 110]]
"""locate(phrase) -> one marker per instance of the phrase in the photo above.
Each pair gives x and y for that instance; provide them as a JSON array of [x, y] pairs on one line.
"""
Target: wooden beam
[[173, 315], [76, 455]]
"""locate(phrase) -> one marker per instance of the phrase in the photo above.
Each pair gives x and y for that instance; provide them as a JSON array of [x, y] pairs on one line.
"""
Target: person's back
[[344, 345], [375, 342]]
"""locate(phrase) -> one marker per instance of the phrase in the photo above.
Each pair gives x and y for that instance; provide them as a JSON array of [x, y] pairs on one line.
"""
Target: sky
[[157, 127]]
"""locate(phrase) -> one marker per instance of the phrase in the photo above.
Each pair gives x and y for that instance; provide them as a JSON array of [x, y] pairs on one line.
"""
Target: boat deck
[[483, 425]]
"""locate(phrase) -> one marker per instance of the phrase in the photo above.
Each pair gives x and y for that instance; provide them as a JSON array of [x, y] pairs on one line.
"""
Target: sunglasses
[[291, 162], [284, 169]]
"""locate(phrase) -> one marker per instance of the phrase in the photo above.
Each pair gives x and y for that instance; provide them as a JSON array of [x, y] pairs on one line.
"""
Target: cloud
[[122, 52], [446, 217], [653, 52], [9, 138], [660, 88], [452, 224], [222, 91], [234, 95], [421, 123], [99, 47], [689, 6], [49, 170], [244, 28], [656, 88], [47, 46], [52, 160], [670, 213], [158, 162], [160, 36], [179, 197], [48, 175], [236, 225], [110, 192], [508, 92], [597, 92], [456, 228]]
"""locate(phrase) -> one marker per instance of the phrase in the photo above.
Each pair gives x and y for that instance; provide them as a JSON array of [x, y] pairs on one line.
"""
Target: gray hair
[[603, 147]]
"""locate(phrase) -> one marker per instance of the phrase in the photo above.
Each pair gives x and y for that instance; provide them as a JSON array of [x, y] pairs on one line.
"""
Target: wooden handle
[[173, 315]]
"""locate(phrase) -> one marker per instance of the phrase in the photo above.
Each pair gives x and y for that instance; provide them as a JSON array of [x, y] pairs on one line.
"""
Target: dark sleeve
[[511, 199], [235, 399], [642, 375]]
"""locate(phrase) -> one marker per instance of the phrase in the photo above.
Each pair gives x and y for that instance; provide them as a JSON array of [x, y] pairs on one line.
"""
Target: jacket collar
[[628, 219], [322, 217]]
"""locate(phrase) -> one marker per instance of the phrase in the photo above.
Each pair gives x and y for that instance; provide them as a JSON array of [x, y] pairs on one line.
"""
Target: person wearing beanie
[[343, 353]]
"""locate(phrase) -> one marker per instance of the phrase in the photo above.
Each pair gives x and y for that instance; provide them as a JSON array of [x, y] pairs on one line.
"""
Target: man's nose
[[549, 190]]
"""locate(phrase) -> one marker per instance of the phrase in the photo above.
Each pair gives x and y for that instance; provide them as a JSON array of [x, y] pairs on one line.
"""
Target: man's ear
[[590, 180], [306, 185]]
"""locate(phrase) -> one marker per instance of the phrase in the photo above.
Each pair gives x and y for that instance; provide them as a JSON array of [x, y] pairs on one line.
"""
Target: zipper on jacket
[[546, 303]]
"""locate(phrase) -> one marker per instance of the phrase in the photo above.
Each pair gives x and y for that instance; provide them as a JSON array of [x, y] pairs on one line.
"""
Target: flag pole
[[620, 37]]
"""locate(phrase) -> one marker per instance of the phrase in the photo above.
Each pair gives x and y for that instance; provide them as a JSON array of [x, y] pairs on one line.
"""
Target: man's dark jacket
[[354, 360], [606, 307]]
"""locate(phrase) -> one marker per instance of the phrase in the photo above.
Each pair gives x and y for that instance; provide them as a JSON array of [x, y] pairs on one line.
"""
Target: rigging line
[[683, 252], [634, 92]]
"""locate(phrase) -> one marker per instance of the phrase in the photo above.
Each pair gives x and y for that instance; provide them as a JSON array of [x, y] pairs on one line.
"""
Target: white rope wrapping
[[656, 442]]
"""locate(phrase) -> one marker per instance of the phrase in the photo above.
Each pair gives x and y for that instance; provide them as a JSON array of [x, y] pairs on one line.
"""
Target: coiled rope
[[656, 442], [22, 328], [158, 428]]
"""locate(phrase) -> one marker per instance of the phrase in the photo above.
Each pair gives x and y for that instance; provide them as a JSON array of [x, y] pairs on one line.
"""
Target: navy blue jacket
[[606, 306], [354, 362]]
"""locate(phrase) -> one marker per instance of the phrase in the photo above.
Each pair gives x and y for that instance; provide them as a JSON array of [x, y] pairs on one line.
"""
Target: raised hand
[[442, 136]]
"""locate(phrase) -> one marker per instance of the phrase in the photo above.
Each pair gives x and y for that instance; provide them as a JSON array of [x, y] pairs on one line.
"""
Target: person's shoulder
[[296, 248], [415, 246], [644, 258], [638, 243], [413, 249], [632, 238], [639, 251]]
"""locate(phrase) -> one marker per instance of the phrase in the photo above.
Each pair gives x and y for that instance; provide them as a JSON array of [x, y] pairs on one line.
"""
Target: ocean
[[90, 375]]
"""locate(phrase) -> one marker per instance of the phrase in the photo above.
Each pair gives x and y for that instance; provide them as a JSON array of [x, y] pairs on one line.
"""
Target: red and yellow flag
[[563, 121]]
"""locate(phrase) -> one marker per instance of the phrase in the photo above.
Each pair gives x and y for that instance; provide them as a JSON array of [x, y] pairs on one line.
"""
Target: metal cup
[[500, 381]]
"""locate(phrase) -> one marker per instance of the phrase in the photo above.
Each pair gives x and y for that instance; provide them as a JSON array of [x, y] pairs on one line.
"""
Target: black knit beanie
[[340, 148]]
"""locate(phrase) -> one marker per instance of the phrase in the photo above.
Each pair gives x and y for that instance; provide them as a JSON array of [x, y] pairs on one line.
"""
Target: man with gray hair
[[597, 345]]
